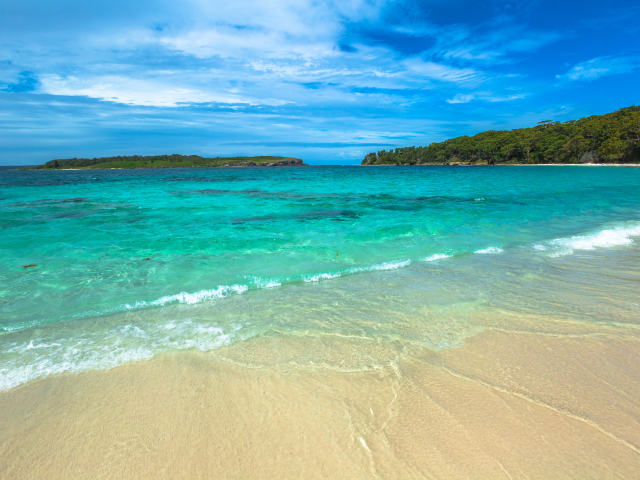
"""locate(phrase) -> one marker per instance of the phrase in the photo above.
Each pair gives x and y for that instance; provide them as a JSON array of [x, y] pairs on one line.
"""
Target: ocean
[[103, 267]]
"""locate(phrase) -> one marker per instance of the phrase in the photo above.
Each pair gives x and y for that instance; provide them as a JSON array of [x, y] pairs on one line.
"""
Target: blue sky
[[326, 81]]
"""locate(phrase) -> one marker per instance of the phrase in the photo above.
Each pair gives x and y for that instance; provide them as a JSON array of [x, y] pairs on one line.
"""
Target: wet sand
[[506, 405]]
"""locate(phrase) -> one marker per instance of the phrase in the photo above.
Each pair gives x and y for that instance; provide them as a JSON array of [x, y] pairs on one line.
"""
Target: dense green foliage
[[156, 161], [610, 138]]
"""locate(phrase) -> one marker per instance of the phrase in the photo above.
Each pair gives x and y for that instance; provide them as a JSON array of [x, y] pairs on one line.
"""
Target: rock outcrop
[[287, 162]]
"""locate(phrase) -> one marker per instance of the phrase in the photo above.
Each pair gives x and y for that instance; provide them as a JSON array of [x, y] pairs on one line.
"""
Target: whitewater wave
[[435, 257], [191, 298], [261, 282], [320, 276], [394, 265], [612, 237], [79, 350], [490, 250]]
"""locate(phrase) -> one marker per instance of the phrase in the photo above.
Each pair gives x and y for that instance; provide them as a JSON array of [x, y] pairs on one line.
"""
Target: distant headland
[[613, 138], [167, 161]]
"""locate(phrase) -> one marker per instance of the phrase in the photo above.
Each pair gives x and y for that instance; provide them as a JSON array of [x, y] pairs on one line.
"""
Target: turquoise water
[[132, 263]]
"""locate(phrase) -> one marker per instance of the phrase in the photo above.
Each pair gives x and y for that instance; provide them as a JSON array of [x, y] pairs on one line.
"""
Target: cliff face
[[610, 138]]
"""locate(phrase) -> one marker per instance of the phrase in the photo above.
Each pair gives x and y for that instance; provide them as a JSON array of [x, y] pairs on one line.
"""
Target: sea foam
[[261, 282], [490, 250], [82, 349], [435, 257], [320, 276], [607, 238], [393, 265], [191, 298]]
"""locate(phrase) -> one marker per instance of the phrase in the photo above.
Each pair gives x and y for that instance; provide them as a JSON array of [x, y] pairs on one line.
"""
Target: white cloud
[[279, 29], [254, 52], [247, 51], [484, 96], [438, 71], [494, 47], [601, 66], [149, 92], [460, 98]]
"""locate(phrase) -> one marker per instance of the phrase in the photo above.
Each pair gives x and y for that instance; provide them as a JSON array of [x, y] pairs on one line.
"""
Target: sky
[[325, 81]]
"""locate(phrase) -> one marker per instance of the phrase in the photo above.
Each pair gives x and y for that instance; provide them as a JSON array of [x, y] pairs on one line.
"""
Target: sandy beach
[[506, 405]]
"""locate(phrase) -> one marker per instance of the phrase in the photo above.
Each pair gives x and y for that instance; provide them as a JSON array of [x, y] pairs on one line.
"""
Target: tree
[[611, 137]]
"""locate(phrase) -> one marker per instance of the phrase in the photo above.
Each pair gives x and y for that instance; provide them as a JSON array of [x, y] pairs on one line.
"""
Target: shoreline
[[569, 165], [509, 165], [162, 168], [503, 404], [357, 165]]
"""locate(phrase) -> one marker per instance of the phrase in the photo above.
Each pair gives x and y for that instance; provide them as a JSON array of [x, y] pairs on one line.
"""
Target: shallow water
[[134, 263]]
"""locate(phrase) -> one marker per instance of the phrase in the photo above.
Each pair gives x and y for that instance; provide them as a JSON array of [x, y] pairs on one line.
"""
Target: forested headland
[[167, 161], [610, 138]]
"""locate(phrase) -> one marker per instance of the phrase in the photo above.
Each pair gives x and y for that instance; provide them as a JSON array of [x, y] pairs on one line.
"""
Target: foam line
[[435, 257], [82, 350], [191, 298], [320, 276], [490, 250], [606, 238]]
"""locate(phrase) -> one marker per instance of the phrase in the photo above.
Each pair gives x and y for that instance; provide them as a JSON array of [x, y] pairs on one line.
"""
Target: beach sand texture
[[506, 405]]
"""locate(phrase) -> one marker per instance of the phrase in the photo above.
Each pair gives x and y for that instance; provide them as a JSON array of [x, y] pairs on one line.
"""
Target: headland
[[166, 161], [613, 138]]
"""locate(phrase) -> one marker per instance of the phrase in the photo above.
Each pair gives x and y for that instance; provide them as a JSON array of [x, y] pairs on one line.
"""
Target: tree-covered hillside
[[610, 138], [166, 161]]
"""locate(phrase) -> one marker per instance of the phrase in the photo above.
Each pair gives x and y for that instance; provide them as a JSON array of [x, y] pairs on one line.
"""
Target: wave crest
[[436, 256], [192, 298], [607, 238], [490, 250]]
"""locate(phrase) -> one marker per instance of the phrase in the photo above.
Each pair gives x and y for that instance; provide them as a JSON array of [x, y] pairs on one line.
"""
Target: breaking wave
[[607, 238], [435, 257], [490, 250], [76, 350]]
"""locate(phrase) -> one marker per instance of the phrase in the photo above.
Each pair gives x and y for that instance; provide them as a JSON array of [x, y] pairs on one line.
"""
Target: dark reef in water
[[610, 138], [168, 161]]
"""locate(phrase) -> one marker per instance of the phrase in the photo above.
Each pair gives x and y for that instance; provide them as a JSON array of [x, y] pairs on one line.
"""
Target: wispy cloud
[[442, 72], [601, 66], [484, 96], [312, 144], [461, 98], [499, 45]]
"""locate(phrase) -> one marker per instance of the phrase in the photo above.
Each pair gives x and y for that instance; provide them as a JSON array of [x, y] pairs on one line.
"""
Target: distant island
[[610, 138], [167, 161]]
